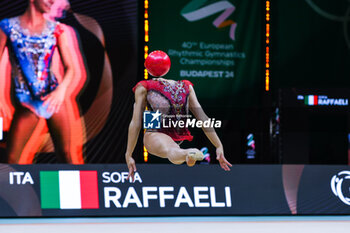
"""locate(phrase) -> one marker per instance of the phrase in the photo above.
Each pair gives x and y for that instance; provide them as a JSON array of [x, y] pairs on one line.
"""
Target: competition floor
[[269, 224]]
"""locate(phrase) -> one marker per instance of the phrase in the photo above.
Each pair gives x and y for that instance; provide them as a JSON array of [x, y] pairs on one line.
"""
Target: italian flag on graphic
[[69, 190], [311, 100]]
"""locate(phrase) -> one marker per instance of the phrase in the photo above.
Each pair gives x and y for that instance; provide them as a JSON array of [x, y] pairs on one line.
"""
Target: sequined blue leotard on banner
[[30, 57]]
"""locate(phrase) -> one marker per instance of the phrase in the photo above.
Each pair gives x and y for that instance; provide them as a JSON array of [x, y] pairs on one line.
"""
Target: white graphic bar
[[69, 182]]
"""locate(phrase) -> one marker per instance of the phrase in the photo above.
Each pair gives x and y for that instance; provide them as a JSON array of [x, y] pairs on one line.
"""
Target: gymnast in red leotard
[[173, 98], [170, 99]]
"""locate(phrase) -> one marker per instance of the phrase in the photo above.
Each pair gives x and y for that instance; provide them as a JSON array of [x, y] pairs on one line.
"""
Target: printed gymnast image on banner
[[61, 81]]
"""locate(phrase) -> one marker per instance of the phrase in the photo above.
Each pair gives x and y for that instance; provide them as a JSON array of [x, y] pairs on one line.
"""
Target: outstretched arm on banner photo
[[5, 110]]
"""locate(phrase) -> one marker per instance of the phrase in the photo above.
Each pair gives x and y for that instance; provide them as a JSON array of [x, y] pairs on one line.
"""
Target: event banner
[[214, 44], [169, 190]]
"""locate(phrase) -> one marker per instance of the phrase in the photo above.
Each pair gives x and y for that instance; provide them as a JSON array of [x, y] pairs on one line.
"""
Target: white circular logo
[[343, 19], [337, 185]]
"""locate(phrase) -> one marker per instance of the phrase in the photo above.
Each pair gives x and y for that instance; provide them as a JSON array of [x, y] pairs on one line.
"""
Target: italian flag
[[69, 190], [311, 100]]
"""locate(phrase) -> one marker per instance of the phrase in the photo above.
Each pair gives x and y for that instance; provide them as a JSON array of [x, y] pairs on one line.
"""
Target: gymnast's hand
[[55, 99], [222, 160], [5, 111], [132, 167]]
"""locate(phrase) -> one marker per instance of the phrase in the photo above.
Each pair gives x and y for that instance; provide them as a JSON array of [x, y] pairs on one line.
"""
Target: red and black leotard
[[171, 99]]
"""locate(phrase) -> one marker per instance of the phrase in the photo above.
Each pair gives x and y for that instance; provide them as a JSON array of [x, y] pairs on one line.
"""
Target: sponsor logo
[[69, 190], [340, 185], [312, 100]]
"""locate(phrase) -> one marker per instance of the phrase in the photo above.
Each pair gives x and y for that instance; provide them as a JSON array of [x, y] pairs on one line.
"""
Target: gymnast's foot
[[193, 155]]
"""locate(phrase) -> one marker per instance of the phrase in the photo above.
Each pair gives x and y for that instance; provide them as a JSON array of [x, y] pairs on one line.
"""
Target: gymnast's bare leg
[[22, 126], [163, 146], [59, 129]]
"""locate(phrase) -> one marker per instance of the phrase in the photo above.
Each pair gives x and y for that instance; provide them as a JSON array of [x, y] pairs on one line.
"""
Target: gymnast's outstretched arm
[[55, 99], [135, 127], [5, 111], [198, 112]]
